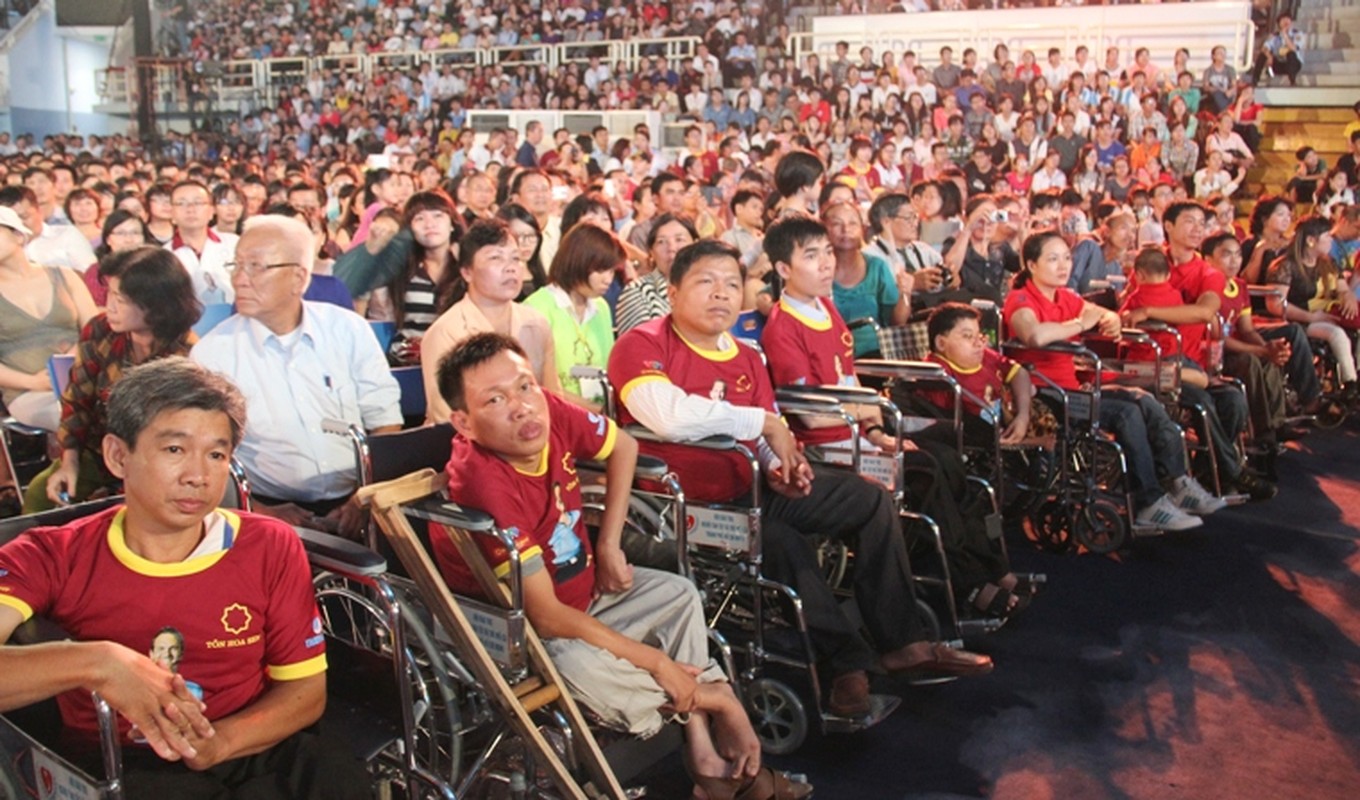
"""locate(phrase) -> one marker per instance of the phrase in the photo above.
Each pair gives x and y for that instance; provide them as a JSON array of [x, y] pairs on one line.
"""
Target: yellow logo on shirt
[[236, 619]]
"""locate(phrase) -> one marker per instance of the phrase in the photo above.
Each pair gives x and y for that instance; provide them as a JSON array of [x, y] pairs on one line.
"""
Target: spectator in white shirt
[[203, 252], [49, 245], [297, 364]]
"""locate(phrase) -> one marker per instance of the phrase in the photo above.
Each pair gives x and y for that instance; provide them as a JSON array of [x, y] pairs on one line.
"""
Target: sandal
[[768, 784], [1004, 603]]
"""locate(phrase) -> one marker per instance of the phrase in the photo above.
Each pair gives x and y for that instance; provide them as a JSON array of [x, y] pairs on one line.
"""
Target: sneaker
[[1189, 496], [1256, 487], [1165, 515]]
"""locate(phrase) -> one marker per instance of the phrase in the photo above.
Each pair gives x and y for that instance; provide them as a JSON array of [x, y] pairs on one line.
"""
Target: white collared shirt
[[212, 282], [61, 246], [331, 367]]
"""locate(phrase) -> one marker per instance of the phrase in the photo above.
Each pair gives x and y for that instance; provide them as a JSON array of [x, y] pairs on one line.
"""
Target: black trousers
[[309, 765], [848, 508], [937, 486]]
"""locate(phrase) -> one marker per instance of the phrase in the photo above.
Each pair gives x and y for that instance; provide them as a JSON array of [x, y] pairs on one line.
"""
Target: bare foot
[[733, 735]]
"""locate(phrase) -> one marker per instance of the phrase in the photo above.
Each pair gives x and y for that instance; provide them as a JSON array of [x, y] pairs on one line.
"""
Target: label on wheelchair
[[876, 467], [728, 529], [53, 778], [501, 632]]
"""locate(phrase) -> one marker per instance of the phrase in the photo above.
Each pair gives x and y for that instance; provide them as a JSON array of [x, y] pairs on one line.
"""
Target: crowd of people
[[869, 189]]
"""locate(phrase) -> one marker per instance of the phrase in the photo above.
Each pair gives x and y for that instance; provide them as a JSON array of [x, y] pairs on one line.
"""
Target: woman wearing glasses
[[529, 240], [573, 302]]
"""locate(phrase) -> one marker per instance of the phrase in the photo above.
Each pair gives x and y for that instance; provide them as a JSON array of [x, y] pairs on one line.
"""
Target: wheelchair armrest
[[887, 368], [447, 512], [582, 371], [339, 427], [806, 403], [336, 554], [38, 630], [842, 394], [1065, 347], [648, 467], [862, 322], [15, 426], [645, 434]]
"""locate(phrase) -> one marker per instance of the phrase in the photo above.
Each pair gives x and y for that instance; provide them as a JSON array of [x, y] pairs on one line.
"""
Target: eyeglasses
[[255, 270], [906, 217], [191, 203], [527, 239]]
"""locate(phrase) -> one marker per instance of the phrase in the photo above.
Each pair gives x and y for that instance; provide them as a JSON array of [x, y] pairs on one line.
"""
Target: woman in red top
[[1040, 310]]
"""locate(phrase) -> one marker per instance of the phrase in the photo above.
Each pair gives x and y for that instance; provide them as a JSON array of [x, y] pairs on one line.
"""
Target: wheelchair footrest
[[880, 706], [1236, 499], [980, 625]]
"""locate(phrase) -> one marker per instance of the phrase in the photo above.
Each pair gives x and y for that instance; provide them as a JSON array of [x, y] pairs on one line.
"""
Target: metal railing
[[263, 78]]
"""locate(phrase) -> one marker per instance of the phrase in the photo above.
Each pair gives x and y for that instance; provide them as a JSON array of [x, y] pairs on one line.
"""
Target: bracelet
[[869, 430]]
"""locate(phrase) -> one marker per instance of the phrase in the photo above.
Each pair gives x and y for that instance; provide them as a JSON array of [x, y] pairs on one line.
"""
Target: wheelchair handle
[[887, 368]]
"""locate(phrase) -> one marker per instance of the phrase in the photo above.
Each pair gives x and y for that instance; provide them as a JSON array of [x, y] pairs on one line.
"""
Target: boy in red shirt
[[515, 458], [958, 344], [1152, 289]]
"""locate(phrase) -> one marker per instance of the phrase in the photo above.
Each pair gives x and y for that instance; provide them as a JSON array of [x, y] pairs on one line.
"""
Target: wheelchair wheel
[[1101, 527], [647, 538], [1047, 526], [351, 614], [778, 716]]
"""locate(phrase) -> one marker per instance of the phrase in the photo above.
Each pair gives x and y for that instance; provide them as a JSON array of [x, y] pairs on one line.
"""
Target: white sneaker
[[1165, 515], [1193, 498]]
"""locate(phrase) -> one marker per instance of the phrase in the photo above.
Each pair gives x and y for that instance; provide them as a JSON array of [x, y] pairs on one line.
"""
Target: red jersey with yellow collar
[[987, 381], [655, 351], [230, 621], [541, 508], [808, 352]]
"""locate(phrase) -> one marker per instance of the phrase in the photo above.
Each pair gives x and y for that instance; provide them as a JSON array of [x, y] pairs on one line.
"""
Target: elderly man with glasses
[[298, 363]]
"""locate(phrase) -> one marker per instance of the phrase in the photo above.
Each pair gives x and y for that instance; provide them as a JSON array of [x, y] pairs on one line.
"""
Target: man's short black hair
[[476, 349], [1210, 245], [796, 171], [946, 317], [744, 196], [787, 235], [692, 254], [1174, 211]]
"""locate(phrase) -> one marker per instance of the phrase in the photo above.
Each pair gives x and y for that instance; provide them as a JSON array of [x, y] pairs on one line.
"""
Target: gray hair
[[290, 235], [171, 384]]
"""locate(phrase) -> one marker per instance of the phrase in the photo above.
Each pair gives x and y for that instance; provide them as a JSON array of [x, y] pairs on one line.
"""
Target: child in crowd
[[1153, 289], [958, 344]]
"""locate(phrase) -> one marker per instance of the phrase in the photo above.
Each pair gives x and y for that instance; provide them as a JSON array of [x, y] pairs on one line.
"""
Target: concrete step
[[1330, 146], [1318, 97], [1333, 67], [1326, 41], [1280, 113], [1349, 81], [1327, 55]]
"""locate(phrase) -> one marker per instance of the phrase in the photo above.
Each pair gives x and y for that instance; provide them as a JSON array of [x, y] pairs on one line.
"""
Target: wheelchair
[[1268, 304], [942, 618], [460, 739], [31, 762], [1084, 500]]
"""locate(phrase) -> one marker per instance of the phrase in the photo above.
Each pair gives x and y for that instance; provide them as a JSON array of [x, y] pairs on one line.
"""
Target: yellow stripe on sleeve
[[1010, 376], [300, 670], [503, 569], [611, 438], [638, 381], [24, 609]]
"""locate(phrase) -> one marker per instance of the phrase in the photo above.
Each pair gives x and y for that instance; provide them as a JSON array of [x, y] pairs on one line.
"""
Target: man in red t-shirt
[[1201, 289], [684, 377], [223, 601], [515, 458]]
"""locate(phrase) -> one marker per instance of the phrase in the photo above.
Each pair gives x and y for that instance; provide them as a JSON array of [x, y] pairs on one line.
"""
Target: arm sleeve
[[29, 574], [379, 395], [294, 645], [672, 413]]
